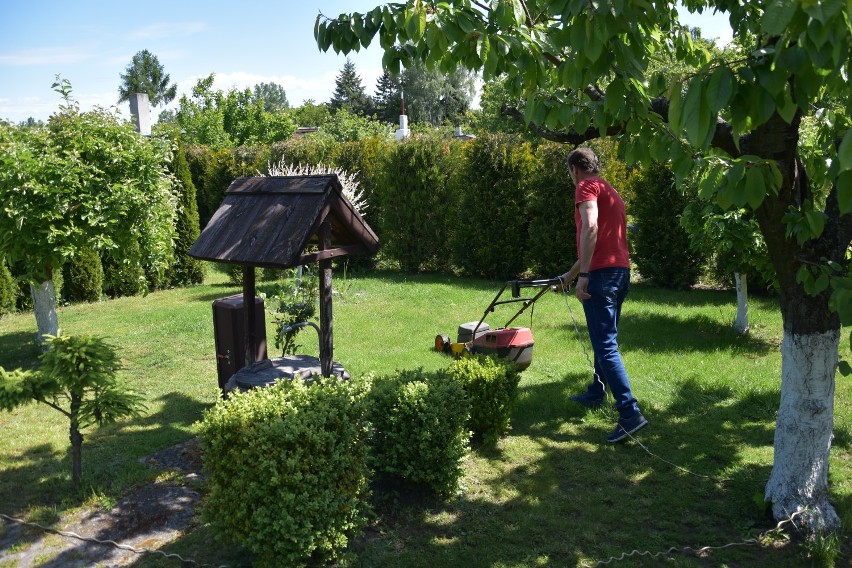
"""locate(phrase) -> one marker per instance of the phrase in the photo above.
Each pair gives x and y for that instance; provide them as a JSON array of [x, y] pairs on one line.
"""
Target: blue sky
[[90, 42]]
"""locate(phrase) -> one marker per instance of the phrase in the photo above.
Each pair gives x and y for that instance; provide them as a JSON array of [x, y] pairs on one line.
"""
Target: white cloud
[[167, 29], [45, 56]]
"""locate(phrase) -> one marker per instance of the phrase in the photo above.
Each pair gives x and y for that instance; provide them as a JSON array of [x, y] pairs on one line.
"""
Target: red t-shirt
[[611, 246]]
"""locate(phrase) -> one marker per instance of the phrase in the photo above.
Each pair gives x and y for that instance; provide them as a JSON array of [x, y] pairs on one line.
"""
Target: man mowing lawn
[[603, 281]]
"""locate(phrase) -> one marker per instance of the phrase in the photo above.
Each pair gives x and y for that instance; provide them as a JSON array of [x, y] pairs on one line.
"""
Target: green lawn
[[551, 494]]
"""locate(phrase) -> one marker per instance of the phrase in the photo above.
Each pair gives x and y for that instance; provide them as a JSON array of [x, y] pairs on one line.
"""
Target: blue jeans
[[608, 288]]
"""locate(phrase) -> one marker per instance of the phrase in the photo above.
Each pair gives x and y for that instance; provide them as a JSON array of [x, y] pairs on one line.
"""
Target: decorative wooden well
[[270, 222]]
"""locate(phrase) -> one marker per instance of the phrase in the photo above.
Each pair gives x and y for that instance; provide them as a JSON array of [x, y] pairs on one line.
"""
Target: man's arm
[[588, 239]]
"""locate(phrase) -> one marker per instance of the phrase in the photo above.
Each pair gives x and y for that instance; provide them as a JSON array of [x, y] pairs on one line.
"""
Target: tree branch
[[723, 137]]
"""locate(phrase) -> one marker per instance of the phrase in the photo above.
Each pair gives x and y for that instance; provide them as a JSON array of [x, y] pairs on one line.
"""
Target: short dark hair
[[585, 159]]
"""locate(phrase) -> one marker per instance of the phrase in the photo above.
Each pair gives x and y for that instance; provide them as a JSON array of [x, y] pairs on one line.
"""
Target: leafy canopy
[[586, 68], [145, 74], [87, 180]]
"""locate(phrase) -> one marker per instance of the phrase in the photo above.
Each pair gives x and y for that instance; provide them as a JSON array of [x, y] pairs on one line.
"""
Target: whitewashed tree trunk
[[741, 324], [44, 304], [805, 421]]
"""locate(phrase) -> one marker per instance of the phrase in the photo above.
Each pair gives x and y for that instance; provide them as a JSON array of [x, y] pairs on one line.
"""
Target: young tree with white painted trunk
[[581, 69], [87, 179]]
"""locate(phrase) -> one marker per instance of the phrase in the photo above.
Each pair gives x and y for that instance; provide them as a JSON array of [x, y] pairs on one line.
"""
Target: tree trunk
[[803, 431], [44, 304], [76, 443], [741, 324]]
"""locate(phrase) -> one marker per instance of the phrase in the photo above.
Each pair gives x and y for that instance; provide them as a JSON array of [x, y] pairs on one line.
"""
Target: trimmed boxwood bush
[[491, 385], [83, 277], [286, 469], [419, 432]]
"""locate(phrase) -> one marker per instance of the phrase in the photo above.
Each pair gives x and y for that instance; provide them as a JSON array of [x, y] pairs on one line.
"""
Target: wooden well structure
[[271, 222]]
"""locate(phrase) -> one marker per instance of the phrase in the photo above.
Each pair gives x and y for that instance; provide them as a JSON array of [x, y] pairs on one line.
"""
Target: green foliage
[[212, 173], [123, 271], [662, 249], [8, 289], [346, 125], [491, 385], [286, 467], [273, 96], [732, 240], [185, 270], [417, 202], [83, 277], [491, 232], [293, 301], [220, 120], [145, 74], [419, 429], [552, 243], [311, 114], [349, 92], [88, 180], [77, 378]]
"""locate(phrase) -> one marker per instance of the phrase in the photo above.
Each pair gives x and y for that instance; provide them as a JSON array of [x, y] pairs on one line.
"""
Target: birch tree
[[85, 180], [581, 69]]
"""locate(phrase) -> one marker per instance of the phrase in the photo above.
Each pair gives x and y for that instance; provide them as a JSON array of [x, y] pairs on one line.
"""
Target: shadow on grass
[[664, 333], [553, 508], [19, 350], [108, 466]]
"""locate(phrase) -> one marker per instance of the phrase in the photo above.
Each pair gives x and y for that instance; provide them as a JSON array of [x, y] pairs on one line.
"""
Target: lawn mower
[[514, 343]]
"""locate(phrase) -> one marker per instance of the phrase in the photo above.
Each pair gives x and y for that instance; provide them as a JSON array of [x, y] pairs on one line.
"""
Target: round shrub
[[286, 469], [491, 385], [419, 432], [662, 248], [83, 277]]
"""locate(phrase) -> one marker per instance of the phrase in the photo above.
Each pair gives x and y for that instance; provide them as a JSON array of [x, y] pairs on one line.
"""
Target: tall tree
[[145, 74], [388, 98], [87, 180], [349, 92], [581, 69], [273, 96]]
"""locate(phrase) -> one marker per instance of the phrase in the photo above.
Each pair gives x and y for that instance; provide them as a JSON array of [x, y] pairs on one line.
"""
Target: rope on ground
[[69, 534], [696, 551]]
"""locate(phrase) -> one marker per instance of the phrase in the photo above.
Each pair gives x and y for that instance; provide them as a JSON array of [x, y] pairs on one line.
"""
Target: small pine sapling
[[77, 378]]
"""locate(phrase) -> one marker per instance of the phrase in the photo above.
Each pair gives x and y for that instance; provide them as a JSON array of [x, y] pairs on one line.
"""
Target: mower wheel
[[442, 343]]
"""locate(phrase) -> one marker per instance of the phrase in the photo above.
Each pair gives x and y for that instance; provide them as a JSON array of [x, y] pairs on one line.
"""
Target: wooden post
[[326, 339], [249, 316]]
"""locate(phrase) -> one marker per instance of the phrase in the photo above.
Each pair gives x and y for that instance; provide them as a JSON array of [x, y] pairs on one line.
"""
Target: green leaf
[[777, 17], [520, 15], [755, 188], [844, 192], [675, 105], [483, 47], [816, 222], [720, 89], [696, 118], [844, 152]]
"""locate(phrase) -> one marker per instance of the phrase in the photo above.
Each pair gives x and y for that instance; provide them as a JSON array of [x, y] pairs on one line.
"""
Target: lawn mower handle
[[516, 286]]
